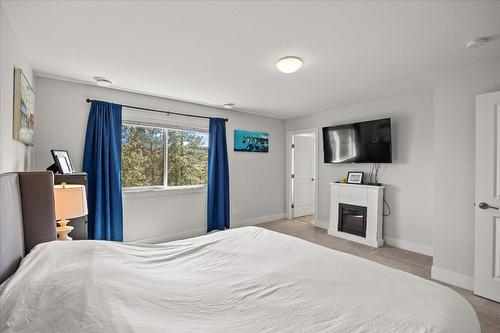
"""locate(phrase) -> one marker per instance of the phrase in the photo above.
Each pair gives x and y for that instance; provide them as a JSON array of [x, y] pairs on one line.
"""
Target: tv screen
[[364, 142]]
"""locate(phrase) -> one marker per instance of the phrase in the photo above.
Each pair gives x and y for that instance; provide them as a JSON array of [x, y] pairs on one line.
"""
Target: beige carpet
[[487, 311]]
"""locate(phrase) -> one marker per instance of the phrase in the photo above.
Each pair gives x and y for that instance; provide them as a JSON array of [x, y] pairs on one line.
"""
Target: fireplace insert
[[352, 219]]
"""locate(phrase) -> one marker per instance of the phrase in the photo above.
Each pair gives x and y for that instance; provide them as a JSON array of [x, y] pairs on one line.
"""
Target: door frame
[[288, 173]]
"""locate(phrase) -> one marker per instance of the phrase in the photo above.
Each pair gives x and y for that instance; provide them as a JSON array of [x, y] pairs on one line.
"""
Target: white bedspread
[[241, 280]]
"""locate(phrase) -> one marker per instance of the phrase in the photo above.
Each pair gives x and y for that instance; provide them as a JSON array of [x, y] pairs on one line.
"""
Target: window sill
[[131, 192]]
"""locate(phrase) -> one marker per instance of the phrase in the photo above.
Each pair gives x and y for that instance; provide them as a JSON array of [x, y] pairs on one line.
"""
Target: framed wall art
[[249, 141], [24, 109]]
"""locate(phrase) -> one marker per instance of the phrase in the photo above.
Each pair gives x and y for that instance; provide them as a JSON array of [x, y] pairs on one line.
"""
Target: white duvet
[[242, 280]]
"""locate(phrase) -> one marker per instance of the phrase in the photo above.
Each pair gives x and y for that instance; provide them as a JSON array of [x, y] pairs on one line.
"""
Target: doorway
[[302, 175]]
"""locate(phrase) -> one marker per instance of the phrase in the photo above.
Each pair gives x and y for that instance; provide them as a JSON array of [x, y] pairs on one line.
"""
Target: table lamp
[[70, 202]]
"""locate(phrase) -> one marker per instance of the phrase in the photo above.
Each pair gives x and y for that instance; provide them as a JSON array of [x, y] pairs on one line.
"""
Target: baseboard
[[258, 220], [409, 246], [456, 279], [171, 237], [321, 224], [405, 245]]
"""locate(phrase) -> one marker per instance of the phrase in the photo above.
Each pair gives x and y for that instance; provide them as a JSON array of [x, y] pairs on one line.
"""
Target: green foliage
[[143, 155], [187, 158]]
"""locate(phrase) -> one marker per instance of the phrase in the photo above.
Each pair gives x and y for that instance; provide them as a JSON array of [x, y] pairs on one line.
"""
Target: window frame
[[165, 122]]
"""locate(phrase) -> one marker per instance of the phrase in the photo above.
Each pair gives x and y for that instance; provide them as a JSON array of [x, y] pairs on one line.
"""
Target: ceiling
[[225, 51]]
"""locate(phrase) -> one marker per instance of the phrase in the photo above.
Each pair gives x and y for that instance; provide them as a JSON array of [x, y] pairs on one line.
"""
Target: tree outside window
[[143, 157]]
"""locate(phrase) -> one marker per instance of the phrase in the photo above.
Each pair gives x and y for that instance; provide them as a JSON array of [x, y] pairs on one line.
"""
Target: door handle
[[484, 205], [312, 179]]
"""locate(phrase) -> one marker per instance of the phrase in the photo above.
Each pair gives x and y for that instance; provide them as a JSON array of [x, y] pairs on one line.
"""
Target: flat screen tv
[[363, 142]]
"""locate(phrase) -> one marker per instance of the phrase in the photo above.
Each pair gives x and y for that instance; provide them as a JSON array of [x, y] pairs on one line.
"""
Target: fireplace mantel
[[369, 196]]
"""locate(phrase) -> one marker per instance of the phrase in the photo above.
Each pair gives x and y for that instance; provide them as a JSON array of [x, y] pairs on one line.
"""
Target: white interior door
[[487, 214], [303, 155]]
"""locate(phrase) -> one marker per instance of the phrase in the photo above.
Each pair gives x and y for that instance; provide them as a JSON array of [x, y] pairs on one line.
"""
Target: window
[[163, 157]]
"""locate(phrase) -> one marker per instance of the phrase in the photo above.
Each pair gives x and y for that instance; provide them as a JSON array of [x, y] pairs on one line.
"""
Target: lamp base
[[63, 230]]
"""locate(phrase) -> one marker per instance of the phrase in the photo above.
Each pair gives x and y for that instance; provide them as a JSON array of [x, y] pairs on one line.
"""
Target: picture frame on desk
[[62, 161]]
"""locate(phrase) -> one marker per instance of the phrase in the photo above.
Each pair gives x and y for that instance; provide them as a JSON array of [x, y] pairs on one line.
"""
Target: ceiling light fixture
[[289, 64], [102, 81], [228, 105]]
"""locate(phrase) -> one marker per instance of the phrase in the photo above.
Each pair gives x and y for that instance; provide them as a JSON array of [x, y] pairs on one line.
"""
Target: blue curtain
[[102, 163], [218, 177]]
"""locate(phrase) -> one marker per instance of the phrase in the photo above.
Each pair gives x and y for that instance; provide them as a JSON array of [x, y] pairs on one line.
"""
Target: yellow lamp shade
[[70, 201]]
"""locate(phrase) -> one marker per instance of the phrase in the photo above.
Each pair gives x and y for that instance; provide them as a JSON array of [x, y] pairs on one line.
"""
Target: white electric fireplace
[[356, 213]]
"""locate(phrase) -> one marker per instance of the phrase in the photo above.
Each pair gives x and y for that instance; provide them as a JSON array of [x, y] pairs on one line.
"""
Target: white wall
[[257, 184], [14, 155], [409, 179], [454, 104]]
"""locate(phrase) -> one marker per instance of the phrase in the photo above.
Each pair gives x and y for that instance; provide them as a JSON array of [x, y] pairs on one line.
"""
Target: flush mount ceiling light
[[102, 81], [289, 64], [228, 105]]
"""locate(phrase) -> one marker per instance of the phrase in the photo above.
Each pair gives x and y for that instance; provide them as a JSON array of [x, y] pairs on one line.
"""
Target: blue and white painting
[[249, 141]]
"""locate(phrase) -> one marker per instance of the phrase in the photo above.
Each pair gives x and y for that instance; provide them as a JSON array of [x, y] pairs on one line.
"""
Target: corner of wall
[[454, 104], [456, 279], [258, 220]]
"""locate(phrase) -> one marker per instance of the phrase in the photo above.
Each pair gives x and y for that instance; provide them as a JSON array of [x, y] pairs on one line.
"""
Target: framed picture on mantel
[[354, 177]]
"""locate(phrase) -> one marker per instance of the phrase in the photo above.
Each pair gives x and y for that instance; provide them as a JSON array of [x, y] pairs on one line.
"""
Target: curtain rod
[[161, 111]]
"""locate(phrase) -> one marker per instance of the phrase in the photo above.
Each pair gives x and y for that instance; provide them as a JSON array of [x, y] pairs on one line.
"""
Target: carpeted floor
[[487, 311]]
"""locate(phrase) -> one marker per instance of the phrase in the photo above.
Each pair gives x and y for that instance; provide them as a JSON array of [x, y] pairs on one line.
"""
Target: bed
[[241, 280]]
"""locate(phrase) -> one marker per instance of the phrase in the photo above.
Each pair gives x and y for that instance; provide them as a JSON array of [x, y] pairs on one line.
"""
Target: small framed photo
[[63, 162], [355, 177]]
